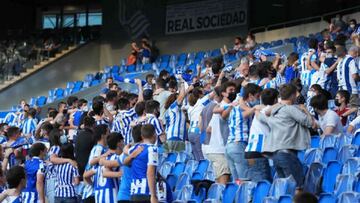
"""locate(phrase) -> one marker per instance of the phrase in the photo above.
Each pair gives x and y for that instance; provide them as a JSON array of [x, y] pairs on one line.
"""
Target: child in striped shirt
[[67, 177], [107, 182]]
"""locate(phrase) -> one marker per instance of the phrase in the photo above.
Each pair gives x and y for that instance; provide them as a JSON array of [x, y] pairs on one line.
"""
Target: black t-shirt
[[83, 145]]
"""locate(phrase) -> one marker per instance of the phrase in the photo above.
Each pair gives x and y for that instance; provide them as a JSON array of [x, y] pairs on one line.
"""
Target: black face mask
[[232, 96], [157, 114], [337, 103]]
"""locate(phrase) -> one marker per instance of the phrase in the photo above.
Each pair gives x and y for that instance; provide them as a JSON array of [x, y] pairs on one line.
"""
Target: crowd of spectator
[[239, 118]]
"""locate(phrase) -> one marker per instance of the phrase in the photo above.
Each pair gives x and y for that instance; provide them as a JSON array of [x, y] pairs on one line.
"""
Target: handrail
[[321, 17]]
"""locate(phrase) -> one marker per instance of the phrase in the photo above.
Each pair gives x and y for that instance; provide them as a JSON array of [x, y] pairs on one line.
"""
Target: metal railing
[[303, 20]]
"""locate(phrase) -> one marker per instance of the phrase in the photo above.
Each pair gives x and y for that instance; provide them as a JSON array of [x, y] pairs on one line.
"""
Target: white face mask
[[352, 26], [85, 108]]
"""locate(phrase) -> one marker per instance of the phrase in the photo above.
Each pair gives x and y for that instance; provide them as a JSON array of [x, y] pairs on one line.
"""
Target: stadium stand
[[117, 109]]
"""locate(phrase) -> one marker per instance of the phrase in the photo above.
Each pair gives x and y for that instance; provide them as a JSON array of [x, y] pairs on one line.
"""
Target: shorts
[[354, 101], [174, 146], [219, 164]]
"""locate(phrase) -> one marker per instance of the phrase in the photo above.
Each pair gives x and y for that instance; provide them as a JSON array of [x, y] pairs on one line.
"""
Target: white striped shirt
[[106, 189], [194, 113], [29, 126], [175, 122], [258, 133], [65, 177], [345, 69], [306, 73], [151, 119], [51, 169], [238, 126], [122, 124]]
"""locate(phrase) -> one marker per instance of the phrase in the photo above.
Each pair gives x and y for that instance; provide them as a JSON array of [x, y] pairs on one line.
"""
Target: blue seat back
[[343, 140], [185, 193], [330, 154], [182, 157], [190, 167], [270, 199], [327, 198], [229, 192], [215, 191], [328, 141], [283, 186], [313, 155], [182, 181], [131, 68], [147, 66], [261, 191], [315, 141], [166, 168], [349, 197], [171, 157], [346, 152], [332, 169], [285, 199], [313, 177], [178, 169], [356, 139], [344, 183], [245, 192], [171, 180], [41, 101], [351, 166]]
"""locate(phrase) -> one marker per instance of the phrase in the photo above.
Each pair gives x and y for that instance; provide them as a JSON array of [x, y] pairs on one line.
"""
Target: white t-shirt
[[161, 98], [194, 112], [331, 119], [216, 144], [355, 122]]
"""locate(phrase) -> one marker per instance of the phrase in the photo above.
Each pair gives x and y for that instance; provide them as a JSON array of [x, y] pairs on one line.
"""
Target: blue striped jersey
[[106, 189], [122, 124], [64, 180], [345, 69], [238, 126], [29, 126], [76, 116], [33, 167], [175, 122], [325, 80], [306, 72], [51, 169], [96, 151], [151, 119], [149, 156], [257, 135], [12, 199], [10, 119], [273, 83], [102, 121]]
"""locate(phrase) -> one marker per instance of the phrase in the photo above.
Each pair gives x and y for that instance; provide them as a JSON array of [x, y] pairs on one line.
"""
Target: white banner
[[205, 15]]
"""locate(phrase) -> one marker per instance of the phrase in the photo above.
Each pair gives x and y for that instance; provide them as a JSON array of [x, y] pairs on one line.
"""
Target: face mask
[[329, 55], [337, 103], [311, 93], [85, 109], [254, 103], [63, 139], [157, 114], [352, 26], [232, 96]]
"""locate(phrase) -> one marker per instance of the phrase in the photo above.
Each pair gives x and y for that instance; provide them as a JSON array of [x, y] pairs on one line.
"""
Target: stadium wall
[[71, 67]]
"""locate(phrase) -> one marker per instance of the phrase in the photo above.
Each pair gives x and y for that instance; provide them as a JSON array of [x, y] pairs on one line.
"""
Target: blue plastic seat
[[285, 199], [178, 169], [313, 178], [313, 155], [183, 180], [349, 197], [190, 167], [357, 186], [245, 192], [327, 198], [94, 83], [270, 199], [171, 157], [351, 166], [115, 69], [328, 141], [330, 154], [171, 180], [32, 101], [147, 67], [201, 169], [165, 58], [332, 169], [229, 192], [344, 183], [343, 140], [185, 194], [59, 93], [182, 157], [166, 169], [131, 68], [356, 139], [346, 152], [41, 101], [261, 191], [315, 141], [70, 85], [215, 192], [283, 186]]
